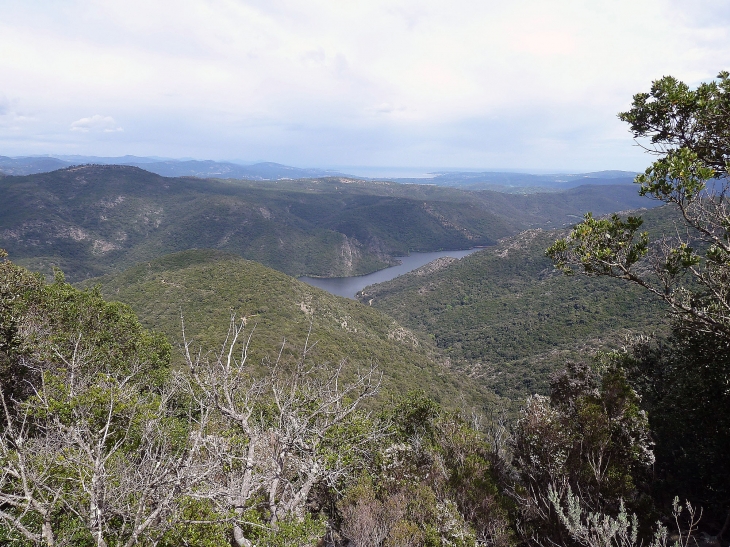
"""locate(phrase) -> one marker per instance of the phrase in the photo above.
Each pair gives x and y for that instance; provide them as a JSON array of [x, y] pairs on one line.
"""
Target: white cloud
[[316, 81], [96, 123]]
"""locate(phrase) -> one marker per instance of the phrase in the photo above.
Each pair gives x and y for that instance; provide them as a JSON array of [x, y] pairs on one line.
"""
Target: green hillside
[[94, 220], [508, 319], [546, 208], [208, 286]]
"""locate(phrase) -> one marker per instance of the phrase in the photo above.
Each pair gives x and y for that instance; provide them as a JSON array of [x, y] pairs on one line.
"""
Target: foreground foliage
[[90, 446], [689, 131], [683, 384], [683, 378], [103, 443], [589, 437], [433, 483]]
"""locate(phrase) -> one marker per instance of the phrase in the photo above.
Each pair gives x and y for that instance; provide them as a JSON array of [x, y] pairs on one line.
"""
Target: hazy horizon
[[465, 85], [375, 171]]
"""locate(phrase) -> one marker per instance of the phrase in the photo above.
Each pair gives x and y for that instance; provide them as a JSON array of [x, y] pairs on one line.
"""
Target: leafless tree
[[28, 486], [280, 424], [99, 448], [369, 521]]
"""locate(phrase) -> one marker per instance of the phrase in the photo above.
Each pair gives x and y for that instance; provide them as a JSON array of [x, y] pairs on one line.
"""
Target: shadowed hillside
[[92, 220], [208, 286], [508, 319]]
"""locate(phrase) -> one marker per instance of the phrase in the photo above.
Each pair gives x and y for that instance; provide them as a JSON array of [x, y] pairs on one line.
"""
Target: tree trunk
[[47, 531], [239, 538]]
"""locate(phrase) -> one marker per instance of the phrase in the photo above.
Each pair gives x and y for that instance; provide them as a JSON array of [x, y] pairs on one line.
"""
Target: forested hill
[[206, 287], [93, 220], [508, 319]]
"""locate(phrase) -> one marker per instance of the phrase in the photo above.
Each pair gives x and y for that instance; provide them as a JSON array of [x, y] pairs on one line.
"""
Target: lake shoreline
[[400, 262], [348, 287]]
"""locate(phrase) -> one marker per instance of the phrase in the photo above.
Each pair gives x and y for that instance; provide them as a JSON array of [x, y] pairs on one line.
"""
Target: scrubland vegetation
[[503, 403], [99, 219]]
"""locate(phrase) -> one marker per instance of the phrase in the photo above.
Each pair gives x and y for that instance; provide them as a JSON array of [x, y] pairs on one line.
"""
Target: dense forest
[[508, 319], [98, 219], [202, 399]]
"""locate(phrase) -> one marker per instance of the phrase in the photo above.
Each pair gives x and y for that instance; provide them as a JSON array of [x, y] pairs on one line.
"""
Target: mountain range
[[95, 219], [164, 167], [492, 180]]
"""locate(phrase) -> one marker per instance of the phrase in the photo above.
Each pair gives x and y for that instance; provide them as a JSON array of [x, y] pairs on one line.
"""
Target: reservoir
[[349, 286]]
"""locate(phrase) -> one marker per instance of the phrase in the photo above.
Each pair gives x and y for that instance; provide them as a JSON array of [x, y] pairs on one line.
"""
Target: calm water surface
[[349, 286]]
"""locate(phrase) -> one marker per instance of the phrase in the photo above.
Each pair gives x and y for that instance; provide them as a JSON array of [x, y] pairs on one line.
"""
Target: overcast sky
[[520, 84]]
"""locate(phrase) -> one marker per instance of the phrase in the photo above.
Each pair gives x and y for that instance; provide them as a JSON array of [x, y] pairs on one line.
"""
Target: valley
[[94, 220], [500, 320], [193, 259], [364, 274], [507, 319], [350, 286]]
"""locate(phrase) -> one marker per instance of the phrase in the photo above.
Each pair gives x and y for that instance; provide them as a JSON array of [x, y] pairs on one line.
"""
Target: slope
[[507, 319], [206, 287], [91, 220]]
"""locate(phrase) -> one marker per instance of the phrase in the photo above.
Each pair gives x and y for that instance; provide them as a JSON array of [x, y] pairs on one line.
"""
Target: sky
[[530, 85]]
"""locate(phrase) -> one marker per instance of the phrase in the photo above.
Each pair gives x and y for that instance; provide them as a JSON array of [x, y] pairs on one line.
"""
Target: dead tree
[[97, 447], [284, 425]]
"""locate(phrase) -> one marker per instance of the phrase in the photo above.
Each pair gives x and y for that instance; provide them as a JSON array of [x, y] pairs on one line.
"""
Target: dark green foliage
[[608, 246], [432, 484], [688, 269], [589, 436], [39, 322], [199, 525], [509, 318], [206, 287], [413, 415], [81, 379], [683, 383], [683, 380], [289, 533], [674, 116], [15, 283]]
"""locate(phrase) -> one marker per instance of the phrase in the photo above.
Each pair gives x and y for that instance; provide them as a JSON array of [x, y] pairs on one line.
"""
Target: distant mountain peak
[[273, 171]]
